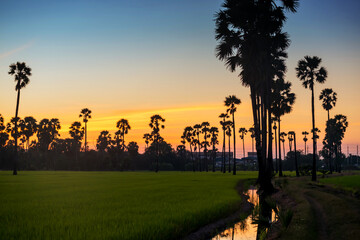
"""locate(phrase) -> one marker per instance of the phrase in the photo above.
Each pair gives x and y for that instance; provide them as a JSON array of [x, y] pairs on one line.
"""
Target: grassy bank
[[350, 182], [113, 205]]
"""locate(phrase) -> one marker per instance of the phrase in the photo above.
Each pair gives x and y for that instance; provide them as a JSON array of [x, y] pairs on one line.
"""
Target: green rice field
[[113, 205], [350, 182]]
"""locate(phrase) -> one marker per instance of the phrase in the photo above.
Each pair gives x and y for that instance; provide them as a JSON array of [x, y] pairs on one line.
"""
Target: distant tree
[[197, 131], [334, 134], [214, 131], [188, 136], [4, 136], [21, 72], [231, 102], [124, 127], [28, 127], [223, 118], [103, 141], [243, 132], [133, 149], [305, 133], [309, 72], [148, 138], [77, 134], [293, 136], [252, 131], [205, 144], [282, 103], [282, 136], [328, 97], [156, 123], [86, 115], [13, 129], [228, 126], [48, 131]]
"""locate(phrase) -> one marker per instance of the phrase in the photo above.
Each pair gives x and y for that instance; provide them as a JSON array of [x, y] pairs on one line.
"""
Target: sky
[[133, 59]]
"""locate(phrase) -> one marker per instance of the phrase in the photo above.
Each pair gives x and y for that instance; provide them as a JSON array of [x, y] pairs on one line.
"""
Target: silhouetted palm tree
[[329, 99], [188, 135], [21, 72], [228, 126], [309, 72], [252, 131], [305, 133], [276, 148], [86, 115], [282, 103], [28, 127], [250, 38], [103, 141], [48, 131], [4, 136], [156, 123], [293, 137], [243, 132], [214, 131], [223, 116], [197, 131], [231, 102], [282, 136], [124, 127], [205, 144], [77, 134], [148, 138]]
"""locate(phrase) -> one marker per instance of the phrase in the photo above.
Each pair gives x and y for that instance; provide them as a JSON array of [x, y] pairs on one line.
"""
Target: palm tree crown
[[309, 71], [22, 73]]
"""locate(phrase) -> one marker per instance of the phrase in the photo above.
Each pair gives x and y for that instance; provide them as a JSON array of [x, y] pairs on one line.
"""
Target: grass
[[113, 205], [350, 182]]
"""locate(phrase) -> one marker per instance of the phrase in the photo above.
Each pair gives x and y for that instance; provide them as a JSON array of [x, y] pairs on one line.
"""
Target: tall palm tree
[[86, 115], [188, 136], [21, 73], [214, 131], [282, 103], [231, 102], [251, 38], [197, 131], [156, 123], [305, 133], [77, 133], [148, 138], [243, 132], [329, 99], [252, 131], [28, 127], [205, 144], [228, 125], [223, 116], [293, 136], [282, 136], [124, 127], [276, 148], [309, 72]]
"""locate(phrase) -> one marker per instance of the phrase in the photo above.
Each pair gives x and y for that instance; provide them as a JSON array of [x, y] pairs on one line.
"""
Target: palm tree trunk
[[328, 114], [305, 148], [192, 159], [243, 146], [296, 160], [223, 165], [16, 133], [280, 161], [214, 157], [229, 156], [234, 167], [313, 178], [252, 143], [85, 136], [276, 155], [199, 153]]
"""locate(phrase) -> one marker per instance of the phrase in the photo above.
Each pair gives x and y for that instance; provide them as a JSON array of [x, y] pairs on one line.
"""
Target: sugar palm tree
[[21, 73], [214, 131], [156, 123], [124, 127], [282, 136], [205, 144], [28, 128], [188, 136], [276, 148], [148, 138], [243, 132], [328, 96], [305, 133], [228, 126], [252, 131], [86, 115], [309, 72], [223, 118], [250, 38], [197, 131], [282, 103], [293, 137], [231, 102]]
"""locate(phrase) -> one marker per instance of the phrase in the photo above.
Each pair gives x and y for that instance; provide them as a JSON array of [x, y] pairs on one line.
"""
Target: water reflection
[[254, 225]]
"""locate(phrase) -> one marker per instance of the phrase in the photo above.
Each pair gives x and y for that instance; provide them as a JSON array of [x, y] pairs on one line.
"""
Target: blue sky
[[114, 56]]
